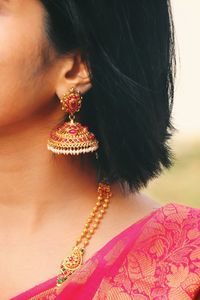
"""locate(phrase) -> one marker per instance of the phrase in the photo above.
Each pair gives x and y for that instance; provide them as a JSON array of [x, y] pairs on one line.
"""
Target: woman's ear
[[73, 73]]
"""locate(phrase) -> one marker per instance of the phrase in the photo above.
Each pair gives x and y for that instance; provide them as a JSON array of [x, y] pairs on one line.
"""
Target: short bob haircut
[[129, 49]]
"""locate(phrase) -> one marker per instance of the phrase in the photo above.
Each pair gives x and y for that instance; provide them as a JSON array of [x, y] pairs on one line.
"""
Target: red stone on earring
[[73, 131], [72, 102]]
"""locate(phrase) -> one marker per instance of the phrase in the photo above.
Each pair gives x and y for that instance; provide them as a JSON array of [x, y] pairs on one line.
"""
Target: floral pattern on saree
[[164, 262], [156, 258]]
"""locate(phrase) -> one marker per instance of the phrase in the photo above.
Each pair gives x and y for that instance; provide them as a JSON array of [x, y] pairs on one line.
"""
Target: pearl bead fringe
[[72, 151]]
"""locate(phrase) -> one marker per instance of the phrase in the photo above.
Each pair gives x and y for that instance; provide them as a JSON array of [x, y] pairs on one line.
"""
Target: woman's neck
[[35, 181]]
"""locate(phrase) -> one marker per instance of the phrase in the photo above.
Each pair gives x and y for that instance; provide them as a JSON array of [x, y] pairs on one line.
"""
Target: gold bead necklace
[[75, 260]]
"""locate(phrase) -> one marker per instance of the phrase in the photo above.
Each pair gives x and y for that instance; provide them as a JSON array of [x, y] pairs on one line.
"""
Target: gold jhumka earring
[[71, 137]]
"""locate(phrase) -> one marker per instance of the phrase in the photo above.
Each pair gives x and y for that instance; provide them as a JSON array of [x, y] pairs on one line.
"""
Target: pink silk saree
[[156, 258]]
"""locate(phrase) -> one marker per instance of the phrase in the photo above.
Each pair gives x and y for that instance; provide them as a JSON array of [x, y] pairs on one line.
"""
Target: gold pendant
[[70, 264]]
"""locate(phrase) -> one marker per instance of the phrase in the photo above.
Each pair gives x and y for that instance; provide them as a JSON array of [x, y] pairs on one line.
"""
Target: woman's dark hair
[[129, 49]]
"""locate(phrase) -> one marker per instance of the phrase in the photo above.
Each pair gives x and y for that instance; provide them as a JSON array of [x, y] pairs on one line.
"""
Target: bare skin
[[45, 199]]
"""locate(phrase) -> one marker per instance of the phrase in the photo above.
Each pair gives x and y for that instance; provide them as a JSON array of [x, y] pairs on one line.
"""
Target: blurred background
[[181, 183]]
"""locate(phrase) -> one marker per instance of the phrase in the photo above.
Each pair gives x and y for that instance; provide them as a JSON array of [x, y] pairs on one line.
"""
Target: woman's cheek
[[16, 90], [21, 84]]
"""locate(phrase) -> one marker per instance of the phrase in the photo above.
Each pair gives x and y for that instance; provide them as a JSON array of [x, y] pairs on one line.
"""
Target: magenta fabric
[[156, 258]]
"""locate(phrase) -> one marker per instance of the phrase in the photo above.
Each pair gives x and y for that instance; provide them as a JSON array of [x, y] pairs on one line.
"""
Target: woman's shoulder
[[171, 221], [178, 220], [179, 214], [167, 253], [172, 227], [179, 208], [163, 261]]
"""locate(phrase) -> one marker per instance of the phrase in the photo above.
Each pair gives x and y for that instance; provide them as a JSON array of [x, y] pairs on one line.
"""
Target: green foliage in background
[[180, 184]]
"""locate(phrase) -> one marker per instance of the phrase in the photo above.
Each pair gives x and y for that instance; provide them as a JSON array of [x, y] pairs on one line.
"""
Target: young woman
[[85, 117]]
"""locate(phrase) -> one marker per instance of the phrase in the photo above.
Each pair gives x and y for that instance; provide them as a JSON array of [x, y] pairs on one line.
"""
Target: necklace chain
[[75, 260]]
